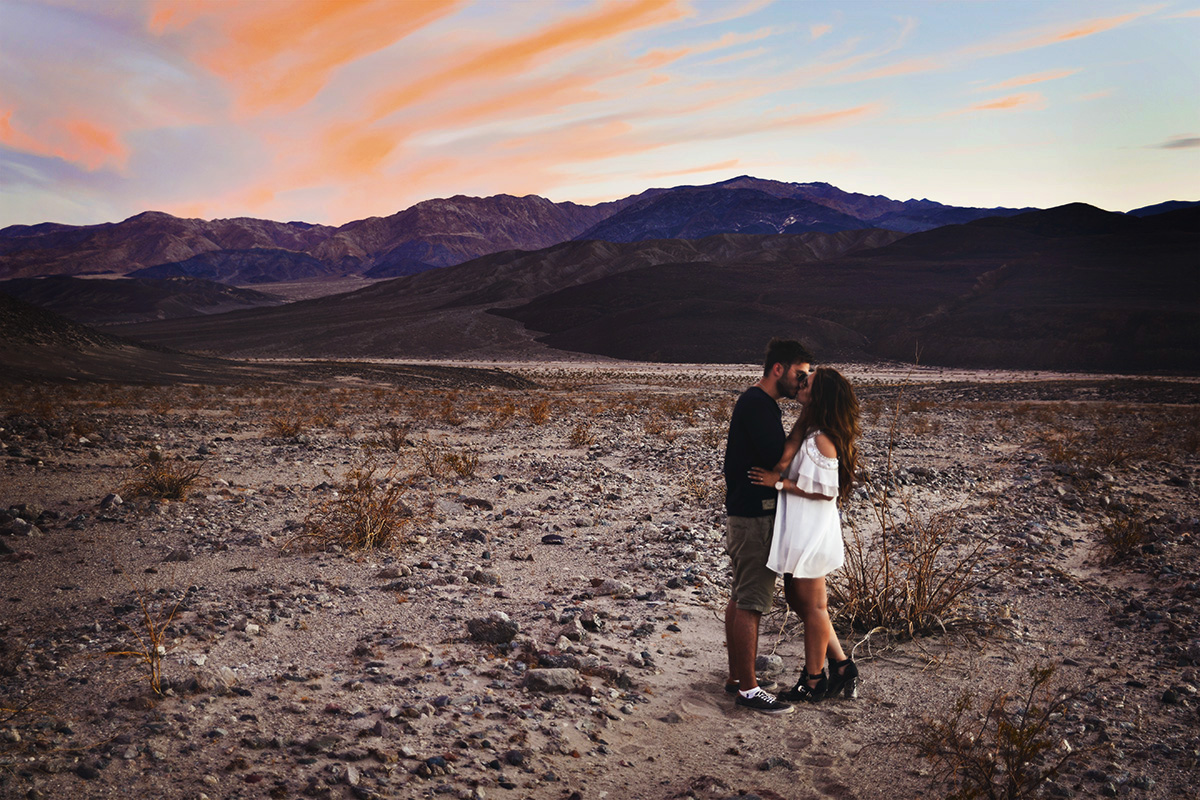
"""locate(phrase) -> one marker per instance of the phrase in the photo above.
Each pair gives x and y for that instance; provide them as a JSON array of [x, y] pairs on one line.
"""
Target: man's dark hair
[[786, 352]]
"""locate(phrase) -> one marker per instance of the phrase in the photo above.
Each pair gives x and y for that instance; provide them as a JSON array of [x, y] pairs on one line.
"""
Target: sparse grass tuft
[[161, 478], [1007, 748]]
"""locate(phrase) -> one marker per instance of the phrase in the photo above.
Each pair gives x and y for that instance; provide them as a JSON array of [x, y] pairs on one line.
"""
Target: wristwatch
[[779, 485]]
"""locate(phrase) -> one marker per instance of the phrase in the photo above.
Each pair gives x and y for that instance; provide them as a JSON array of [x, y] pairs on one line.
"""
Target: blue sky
[[333, 110]]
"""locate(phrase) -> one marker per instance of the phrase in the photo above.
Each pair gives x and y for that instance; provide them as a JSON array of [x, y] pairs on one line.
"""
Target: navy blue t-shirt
[[756, 439]]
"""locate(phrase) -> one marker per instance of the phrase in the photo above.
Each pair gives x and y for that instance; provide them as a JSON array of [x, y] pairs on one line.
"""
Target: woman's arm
[[765, 477], [791, 446]]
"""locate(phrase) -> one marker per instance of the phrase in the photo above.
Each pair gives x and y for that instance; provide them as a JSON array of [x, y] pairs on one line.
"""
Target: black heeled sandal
[[803, 693], [843, 677]]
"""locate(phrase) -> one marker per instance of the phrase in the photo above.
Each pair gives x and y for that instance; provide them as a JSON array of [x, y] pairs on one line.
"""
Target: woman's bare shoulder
[[825, 445]]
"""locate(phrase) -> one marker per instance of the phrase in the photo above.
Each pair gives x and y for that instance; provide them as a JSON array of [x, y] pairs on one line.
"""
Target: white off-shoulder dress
[[807, 542]]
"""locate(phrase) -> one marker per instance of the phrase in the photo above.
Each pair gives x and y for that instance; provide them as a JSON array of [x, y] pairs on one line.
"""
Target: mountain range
[[439, 233], [690, 274]]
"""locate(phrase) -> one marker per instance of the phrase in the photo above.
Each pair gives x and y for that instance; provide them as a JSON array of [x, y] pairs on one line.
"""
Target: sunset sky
[[332, 110]]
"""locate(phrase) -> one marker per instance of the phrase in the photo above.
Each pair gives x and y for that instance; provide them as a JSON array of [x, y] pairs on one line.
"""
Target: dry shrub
[[462, 463], [1122, 535], [431, 456], [713, 436], [701, 490], [161, 478], [539, 412], [288, 422], [911, 578], [391, 436], [448, 410], [503, 413], [581, 435], [661, 427], [364, 512], [151, 635], [1007, 748]]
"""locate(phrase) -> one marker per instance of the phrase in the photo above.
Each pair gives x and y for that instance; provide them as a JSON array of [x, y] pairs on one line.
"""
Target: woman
[[816, 470]]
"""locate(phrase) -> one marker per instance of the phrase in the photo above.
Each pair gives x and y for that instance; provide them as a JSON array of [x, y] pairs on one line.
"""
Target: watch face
[[779, 486]]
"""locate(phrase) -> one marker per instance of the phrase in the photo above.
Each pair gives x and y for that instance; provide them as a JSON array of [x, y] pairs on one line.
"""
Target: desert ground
[[546, 619]]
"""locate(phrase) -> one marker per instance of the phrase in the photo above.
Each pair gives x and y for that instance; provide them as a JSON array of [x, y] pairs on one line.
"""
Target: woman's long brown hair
[[833, 410]]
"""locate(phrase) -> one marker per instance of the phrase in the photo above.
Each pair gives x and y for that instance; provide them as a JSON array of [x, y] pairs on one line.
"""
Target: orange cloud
[[1031, 101], [1029, 80], [77, 141], [817, 31], [730, 164], [1044, 37], [609, 21], [284, 57]]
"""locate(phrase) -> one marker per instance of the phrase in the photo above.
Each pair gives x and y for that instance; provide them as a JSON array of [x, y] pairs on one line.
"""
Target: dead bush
[[366, 511], [462, 463], [161, 478], [539, 411], [910, 573], [392, 436], [1008, 747], [151, 633], [581, 435], [1122, 535], [701, 490]]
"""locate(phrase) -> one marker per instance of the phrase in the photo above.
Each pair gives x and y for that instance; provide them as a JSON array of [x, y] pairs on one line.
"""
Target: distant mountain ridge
[[442, 232]]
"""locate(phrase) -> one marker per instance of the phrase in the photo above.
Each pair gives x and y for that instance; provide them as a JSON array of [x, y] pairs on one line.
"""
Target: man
[[756, 438]]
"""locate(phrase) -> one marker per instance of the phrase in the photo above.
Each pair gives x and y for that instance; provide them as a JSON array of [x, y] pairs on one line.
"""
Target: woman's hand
[[764, 477]]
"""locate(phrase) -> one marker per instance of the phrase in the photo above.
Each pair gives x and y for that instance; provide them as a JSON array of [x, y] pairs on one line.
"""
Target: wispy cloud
[[284, 59], [817, 31], [1029, 101], [1029, 80], [674, 173], [1179, 143], [1048, 35], [513, 57], [77, 140]]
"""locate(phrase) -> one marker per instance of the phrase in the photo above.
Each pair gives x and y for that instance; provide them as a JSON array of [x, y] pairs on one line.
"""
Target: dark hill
[[240, 267], [106, 301], [1058, 289], [440, 313]]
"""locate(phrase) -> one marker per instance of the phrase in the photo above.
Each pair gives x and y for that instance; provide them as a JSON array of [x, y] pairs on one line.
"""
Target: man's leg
[[741, 641]]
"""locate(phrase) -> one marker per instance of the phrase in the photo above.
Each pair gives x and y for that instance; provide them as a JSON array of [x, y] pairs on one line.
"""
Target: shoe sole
[[773, 712]]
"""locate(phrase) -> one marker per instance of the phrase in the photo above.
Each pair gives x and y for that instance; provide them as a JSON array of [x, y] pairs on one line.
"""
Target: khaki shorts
[[748, 543]]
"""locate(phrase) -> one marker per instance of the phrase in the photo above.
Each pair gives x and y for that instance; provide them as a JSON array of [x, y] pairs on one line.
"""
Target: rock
[[111, 501], [481, 578], [176, 556], [5, 550], [768, 665], [496, 628], [552, 538], [322, 744], [555, 679], [615, 588]]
